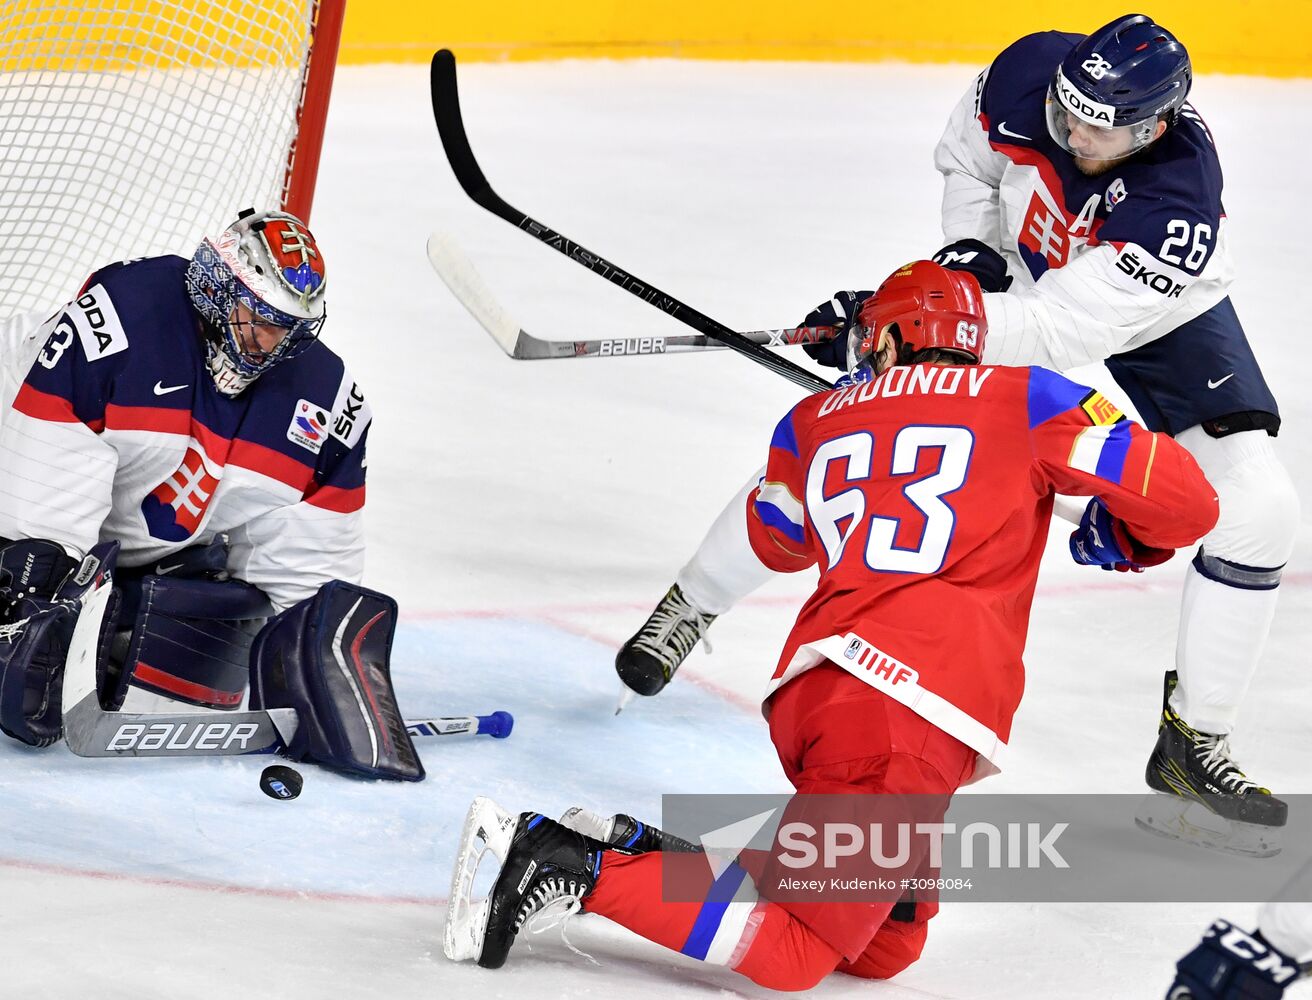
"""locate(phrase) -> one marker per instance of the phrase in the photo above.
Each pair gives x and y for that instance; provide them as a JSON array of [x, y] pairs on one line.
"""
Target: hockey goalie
[[183, 461]]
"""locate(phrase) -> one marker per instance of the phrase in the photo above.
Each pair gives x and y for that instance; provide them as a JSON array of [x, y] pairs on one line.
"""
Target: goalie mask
[[920, 307], [258, 287]]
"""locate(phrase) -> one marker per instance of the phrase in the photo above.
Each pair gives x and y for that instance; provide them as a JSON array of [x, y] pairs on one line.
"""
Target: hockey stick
[[497, 725], [446, 112], [90, 731], [459, 274]]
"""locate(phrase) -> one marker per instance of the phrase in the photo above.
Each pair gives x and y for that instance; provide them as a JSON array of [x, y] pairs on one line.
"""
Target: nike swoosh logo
[[166, 570], [1219, 382], [163, 390], [1002, 127]]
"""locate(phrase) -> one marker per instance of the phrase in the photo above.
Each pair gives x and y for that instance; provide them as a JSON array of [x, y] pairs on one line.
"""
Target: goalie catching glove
[[41, 591]]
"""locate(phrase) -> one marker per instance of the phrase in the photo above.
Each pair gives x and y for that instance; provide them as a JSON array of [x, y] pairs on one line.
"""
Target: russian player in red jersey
[[922, 491]]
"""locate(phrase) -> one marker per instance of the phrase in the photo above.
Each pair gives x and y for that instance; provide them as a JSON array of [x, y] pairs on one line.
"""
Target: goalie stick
[[467, 285], [451, 129], [90, 731]]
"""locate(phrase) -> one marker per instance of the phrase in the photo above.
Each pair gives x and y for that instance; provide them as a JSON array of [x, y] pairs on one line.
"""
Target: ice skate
[[623, 831], [1195, 769], [648, 661], [1188, 820], [541, 864]]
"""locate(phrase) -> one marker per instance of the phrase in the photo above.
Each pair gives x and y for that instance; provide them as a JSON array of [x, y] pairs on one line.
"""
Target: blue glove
[[980, 259], [1230, 964], [862, 374], [1102, 540], [838, 312]]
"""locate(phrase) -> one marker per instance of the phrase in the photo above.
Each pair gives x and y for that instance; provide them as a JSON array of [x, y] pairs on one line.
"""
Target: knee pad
[[190, 641], [787, 955], [1260, 509], [896, 945]]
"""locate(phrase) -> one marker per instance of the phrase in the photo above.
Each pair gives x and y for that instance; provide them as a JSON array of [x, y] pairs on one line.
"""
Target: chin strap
[[227, 379]]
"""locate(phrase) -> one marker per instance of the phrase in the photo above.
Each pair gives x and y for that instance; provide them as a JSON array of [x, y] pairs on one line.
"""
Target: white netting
[[134, 127]]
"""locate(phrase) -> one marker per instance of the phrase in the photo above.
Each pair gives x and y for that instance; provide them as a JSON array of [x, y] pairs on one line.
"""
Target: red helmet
[[923, 305]]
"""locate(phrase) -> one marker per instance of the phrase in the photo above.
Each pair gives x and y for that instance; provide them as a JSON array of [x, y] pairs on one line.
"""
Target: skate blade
[[626, 696], [488, 829], [1192, 822], [588, 823]]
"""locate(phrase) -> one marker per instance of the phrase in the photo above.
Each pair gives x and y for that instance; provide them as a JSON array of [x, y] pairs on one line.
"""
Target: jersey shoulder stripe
[[44, 406], [785, 435], [779, 509], [1051, 394], [334, 498]]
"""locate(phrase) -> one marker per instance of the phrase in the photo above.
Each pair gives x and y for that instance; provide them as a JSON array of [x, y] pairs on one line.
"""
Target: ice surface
[[528, 515]]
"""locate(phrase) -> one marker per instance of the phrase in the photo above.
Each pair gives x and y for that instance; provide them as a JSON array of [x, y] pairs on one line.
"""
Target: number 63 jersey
[[924, 498]]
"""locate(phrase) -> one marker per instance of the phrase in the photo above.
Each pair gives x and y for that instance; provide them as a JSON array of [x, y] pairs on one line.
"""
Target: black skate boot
[[1195, 765], [624, 831], [542, 863], [647, 662]]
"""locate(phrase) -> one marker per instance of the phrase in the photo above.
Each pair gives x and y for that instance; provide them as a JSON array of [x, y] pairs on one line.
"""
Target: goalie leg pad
[[327, 657], [191, 642]]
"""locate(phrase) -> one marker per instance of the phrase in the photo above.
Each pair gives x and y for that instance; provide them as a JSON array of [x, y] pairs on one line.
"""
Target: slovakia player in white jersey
[[179, 426], [1085, 194]]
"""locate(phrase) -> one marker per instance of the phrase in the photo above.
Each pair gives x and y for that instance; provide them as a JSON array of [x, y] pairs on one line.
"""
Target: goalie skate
[[488, 830], [1190, 821]]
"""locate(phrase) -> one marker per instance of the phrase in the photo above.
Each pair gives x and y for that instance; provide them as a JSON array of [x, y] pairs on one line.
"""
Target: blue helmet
[[1130, 72]]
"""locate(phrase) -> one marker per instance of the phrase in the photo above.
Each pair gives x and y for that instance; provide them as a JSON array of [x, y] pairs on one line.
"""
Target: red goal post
[[134, 127]]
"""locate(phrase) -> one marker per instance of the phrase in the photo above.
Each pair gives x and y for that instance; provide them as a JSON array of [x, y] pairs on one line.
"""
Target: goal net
[[131, 128]]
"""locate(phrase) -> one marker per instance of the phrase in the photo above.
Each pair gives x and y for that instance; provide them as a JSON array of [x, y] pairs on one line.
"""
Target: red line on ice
[[196, 885]]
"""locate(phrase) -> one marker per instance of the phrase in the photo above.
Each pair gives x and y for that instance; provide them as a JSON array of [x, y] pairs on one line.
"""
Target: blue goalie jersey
[[111, 428]]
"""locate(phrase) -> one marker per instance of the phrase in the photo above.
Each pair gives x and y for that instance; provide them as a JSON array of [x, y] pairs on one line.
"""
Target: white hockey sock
[[724, 569], [1288, 926], [1223, 630]]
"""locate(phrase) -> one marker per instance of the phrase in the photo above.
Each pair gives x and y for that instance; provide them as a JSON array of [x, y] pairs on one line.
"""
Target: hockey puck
[[280, 782]]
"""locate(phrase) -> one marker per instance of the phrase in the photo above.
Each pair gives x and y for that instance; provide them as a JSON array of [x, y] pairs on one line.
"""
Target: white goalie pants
[[1229, 593]]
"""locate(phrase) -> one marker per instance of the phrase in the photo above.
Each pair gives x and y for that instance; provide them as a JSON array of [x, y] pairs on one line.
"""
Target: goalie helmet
[[921, 306], [1115, 86], [258, 287]]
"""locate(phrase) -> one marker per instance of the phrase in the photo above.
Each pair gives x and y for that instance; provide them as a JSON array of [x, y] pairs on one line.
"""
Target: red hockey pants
[[834, 735]]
